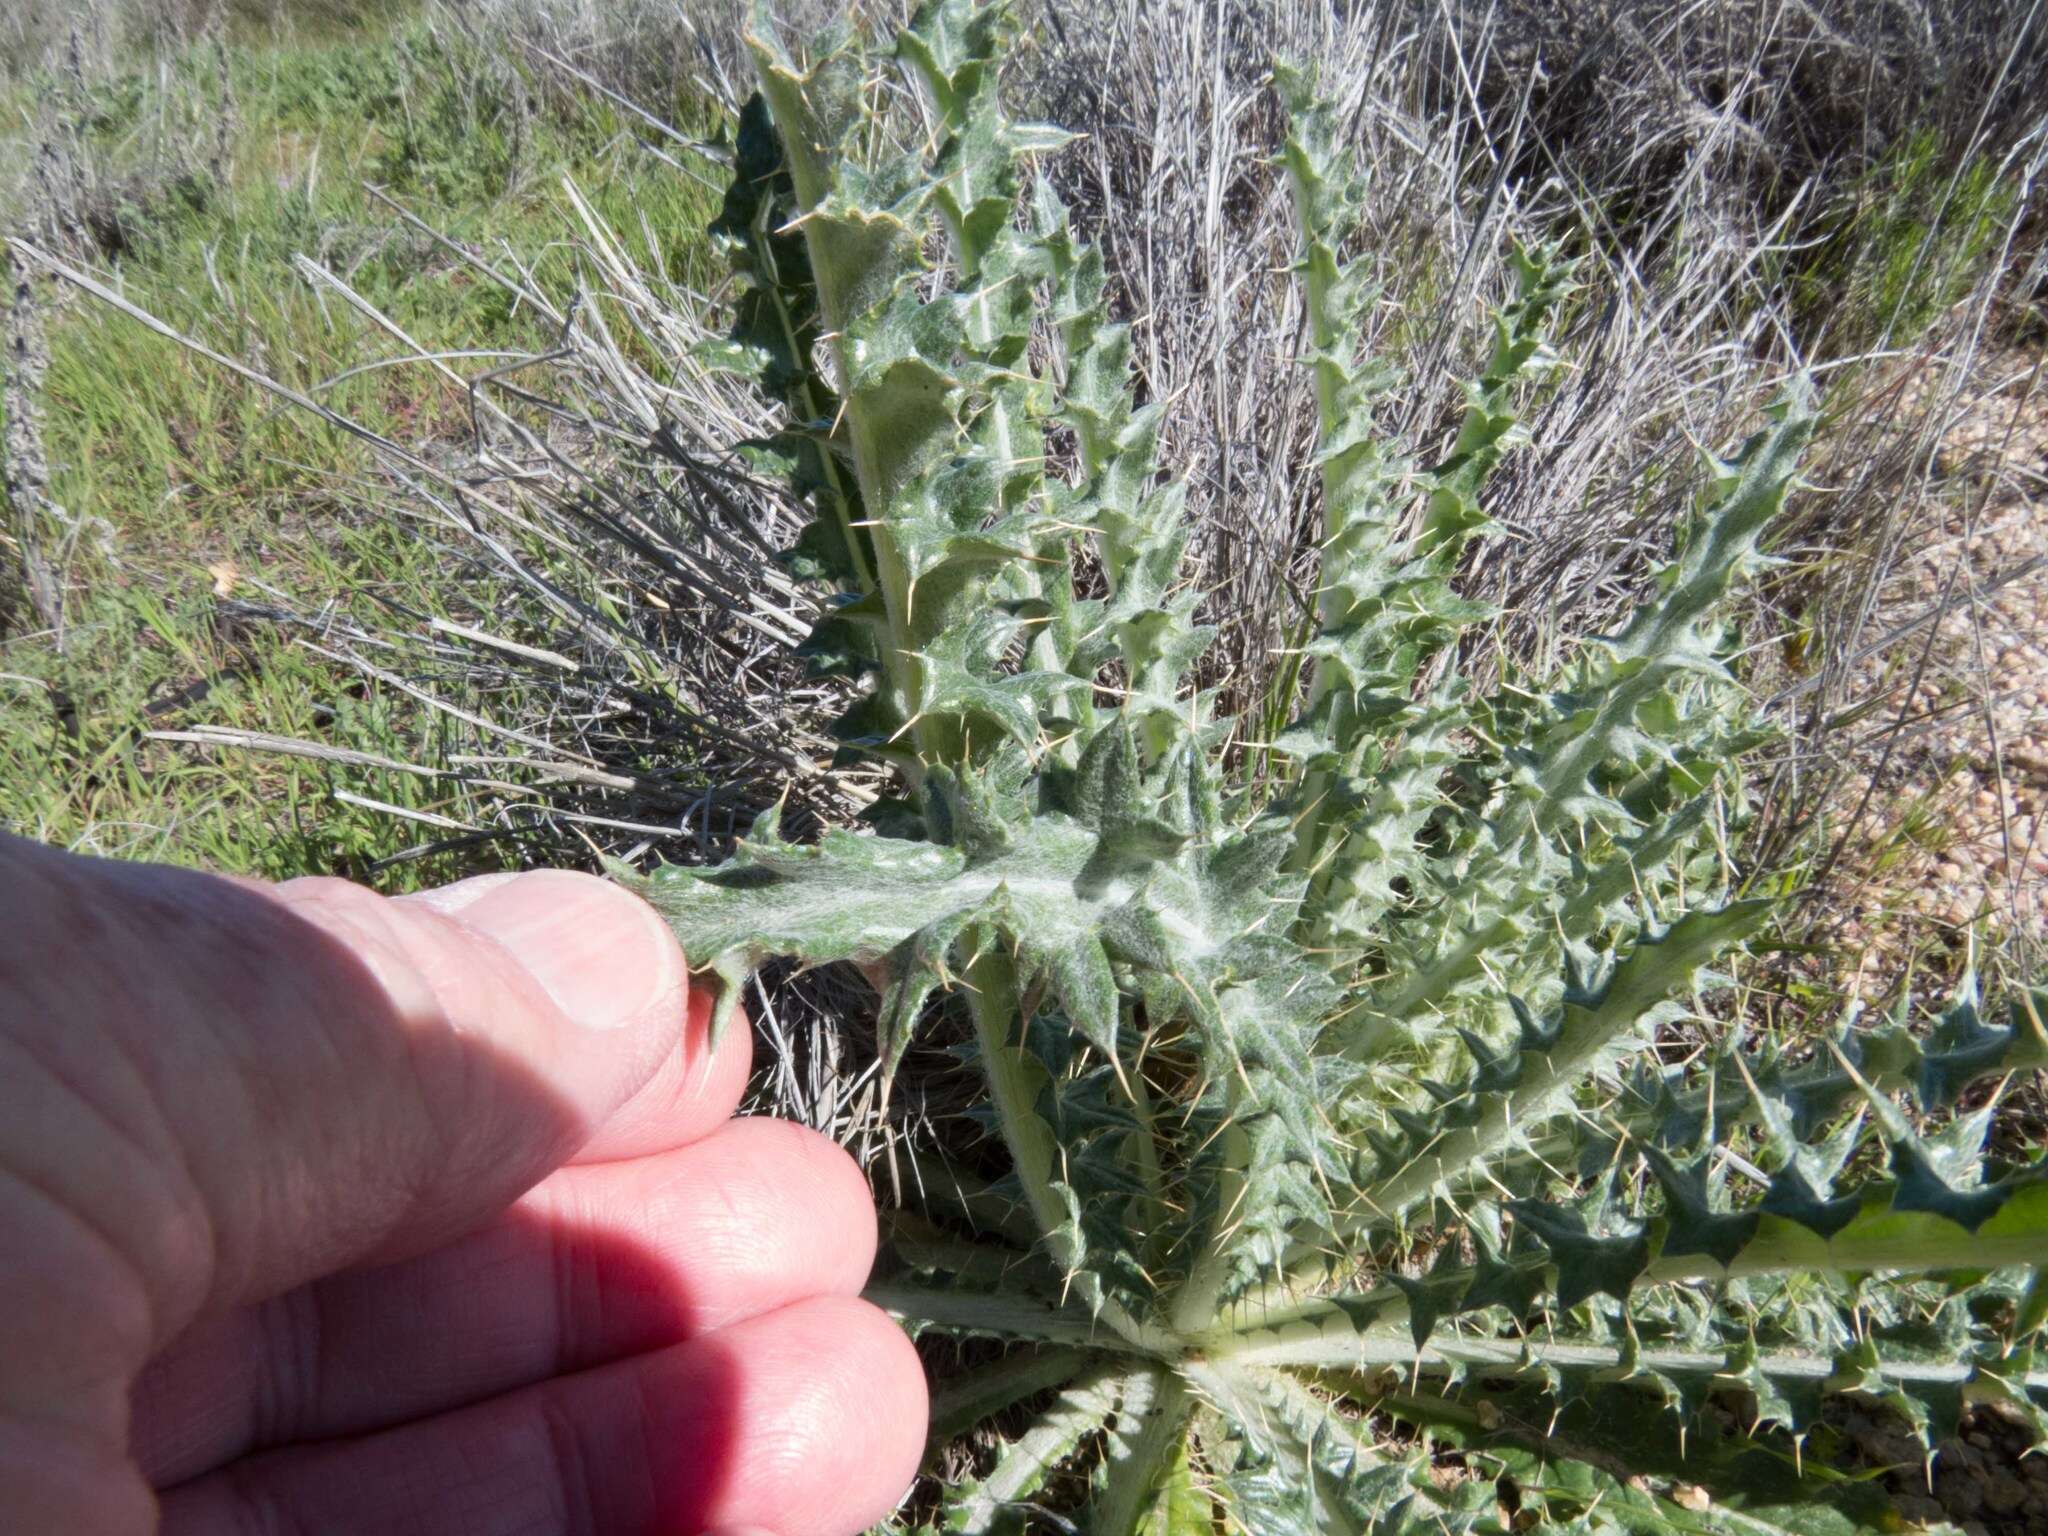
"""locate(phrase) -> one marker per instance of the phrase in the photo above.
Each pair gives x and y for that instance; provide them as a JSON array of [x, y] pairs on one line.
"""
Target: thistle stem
[[813, 177], [855, 544], [1395, 1347], [1014, 1080], [1152, 1423], [1197, 1305]]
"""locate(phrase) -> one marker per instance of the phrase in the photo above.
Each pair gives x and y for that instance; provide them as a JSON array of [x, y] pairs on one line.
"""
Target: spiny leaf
[[991, 1504]]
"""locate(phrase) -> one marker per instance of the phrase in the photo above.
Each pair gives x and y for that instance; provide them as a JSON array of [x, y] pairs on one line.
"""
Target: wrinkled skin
[[327, 1212]]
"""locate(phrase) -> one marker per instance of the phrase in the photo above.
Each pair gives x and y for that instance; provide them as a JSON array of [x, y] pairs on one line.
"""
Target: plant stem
[[1197, 1307], [1014, 1079], [1161, 1398], [765, 253], [1392, 1346], [839, 271], [1004, 1315]]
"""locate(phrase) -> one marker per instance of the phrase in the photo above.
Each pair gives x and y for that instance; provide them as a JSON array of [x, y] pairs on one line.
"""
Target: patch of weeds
[[1905, 241], [188, 480]]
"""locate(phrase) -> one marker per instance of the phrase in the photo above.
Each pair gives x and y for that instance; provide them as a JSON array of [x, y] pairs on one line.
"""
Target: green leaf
[[1179, 1506], [965, 1400], [1144, 1487], [1557, 1058], [992, 1504], [1300, 1469], [1001, 1315]]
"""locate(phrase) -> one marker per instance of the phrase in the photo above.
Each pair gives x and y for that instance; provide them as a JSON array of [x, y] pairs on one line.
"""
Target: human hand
[[326, 1212]]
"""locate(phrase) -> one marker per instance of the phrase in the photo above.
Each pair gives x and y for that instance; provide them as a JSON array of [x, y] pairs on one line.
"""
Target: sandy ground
[[1954, 840]]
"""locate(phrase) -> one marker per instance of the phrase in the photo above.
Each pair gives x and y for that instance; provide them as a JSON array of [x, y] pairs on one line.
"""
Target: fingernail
[[600, 952], [450, 899]]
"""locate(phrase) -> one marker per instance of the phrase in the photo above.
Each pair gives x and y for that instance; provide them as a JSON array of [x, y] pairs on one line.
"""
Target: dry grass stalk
[[29, 586]]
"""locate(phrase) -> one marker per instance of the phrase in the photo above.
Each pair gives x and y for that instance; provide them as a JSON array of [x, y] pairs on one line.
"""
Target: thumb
[[226, 1089]]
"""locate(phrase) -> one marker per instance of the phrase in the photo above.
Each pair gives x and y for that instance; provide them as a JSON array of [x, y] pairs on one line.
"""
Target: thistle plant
[[1339, 1114]]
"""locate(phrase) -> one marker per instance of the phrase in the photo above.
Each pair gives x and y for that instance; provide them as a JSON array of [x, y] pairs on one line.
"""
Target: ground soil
[[1982, 1480], [1952, 847]]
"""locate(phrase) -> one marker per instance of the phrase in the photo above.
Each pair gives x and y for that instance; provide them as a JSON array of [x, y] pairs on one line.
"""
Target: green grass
[[1905, 241], [186, 472]]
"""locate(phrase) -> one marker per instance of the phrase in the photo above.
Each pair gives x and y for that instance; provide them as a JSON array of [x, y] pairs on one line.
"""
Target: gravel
[[1954, 760]]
